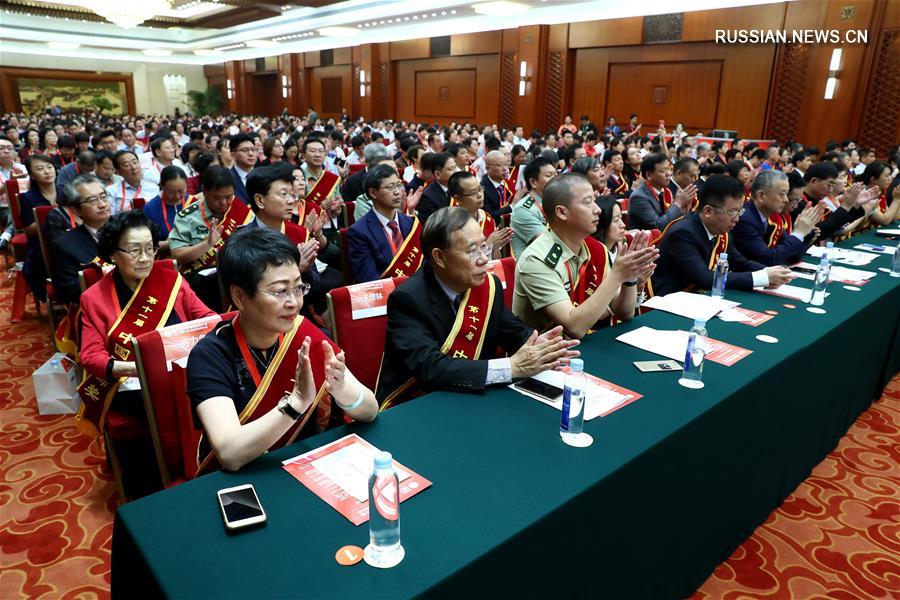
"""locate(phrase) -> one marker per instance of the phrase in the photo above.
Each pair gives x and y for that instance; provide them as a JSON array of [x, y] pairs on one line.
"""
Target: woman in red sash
[[137, 296], [269, 375], [466, 191], [887, 210]]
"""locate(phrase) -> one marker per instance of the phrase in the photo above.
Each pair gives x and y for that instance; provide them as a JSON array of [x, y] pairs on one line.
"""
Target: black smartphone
[[539, 388], [806, 270]]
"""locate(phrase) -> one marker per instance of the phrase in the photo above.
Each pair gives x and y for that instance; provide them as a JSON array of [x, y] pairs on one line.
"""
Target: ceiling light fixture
[[207, 52], [127, 14], [501, 8], [260, 43], [157, 52], [344, 32]]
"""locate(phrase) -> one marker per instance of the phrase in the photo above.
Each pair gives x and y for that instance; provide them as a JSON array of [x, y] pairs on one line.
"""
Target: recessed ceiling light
[[157, 52], [338, 31], [260, 43], [64, 45], [207, 52], [501, 8]]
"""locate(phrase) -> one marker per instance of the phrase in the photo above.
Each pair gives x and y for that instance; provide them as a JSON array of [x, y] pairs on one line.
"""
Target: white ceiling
[[369, 21]]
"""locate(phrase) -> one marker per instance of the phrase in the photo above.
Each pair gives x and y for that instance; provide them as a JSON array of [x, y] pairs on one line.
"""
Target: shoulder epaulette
[[554, 255], [189, 209], [529, 202]]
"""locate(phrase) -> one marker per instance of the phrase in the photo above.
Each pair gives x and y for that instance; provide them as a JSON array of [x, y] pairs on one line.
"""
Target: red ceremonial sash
[[409, 257], [294, 232], [488, 226], [238, 214], [465, 339], [322, 189], [666, 200], [276, 383], [148, 310], [882, 201], [590, 274], [720, 247], [511, 181], [619, 186], [781, 224]]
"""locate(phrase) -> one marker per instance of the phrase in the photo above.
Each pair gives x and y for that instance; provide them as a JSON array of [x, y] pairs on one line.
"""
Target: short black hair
[[609, 155], [718, 188], [607, 205], [109, 235], [37, 158], [120, 154], [735, 167], [559, 192], [236, 140], [492, 143], [648, 165], [683, 164], [87, 159], [65, 141], [455, 148], [216, 177], [821, 170], [454, 186], [169, 173], [376, 175], [533, 169], [873, 171], [440, 160], [312, 140], [260, 180], [441, 225], [795, 180], [249, 252], [800, 157], [157, 143]]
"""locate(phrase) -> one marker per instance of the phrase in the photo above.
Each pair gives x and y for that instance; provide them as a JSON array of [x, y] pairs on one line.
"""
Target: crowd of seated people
[[189, 216]]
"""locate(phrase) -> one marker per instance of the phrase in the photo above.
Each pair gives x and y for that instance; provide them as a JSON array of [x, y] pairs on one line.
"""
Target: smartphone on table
[[539, 388], [241, 507]]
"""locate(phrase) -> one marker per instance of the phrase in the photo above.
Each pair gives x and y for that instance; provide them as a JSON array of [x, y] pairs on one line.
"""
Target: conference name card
[[673, 344]]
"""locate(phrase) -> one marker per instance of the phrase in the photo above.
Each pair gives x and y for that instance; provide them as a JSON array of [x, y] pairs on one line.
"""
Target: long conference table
[[673, 483]]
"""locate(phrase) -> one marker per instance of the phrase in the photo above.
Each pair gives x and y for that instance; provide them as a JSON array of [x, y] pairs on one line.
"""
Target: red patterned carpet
[[837, 536]]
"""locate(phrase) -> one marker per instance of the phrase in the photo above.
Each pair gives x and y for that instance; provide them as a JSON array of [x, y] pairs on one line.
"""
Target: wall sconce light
[[229, 85], [834, 69], [523, 70], [284, 86], [363, 83]]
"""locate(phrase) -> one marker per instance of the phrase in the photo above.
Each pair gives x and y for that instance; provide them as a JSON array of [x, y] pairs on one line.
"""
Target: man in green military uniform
[[528, 219], [566, 277]]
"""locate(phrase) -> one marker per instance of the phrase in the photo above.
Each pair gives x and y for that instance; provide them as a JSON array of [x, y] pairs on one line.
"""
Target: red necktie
[[395, 234], [501, 191]]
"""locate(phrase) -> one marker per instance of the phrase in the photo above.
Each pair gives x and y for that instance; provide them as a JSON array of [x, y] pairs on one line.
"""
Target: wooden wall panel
[[529, 50], [485, 93], [409, 49], [744, 92], [316, 91], [264, 94], [701, 25], [447, 94], [687, 92], [342, 56], [485, 42], [612, 32]]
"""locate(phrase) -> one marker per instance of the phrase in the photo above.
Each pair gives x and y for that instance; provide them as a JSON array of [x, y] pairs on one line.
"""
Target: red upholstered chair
[[349, 218], [357, 168], [345, 257], [155, 353], [505, 269], [53, 301], [359, 322], [19, 244]]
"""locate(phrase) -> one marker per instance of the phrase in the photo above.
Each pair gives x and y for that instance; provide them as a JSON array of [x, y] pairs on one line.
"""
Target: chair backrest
[[349, 218], [345, 257], [505, 269], [12, 193], [356, 168], [40, 217], [155, 352], [138, 204], [359, 320], [93, 273]]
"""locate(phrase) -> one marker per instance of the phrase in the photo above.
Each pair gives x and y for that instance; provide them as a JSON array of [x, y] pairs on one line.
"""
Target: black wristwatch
[[630, 283], [284, 405]]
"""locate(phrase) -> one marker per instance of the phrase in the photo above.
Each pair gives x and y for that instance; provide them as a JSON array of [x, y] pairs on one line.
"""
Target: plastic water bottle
[[571, 425], [720, 276], [895, 262], [817, 298], [692, 376], [384, 549], [829, 251]]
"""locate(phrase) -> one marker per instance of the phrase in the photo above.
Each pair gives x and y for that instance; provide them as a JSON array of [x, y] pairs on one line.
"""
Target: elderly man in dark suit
[[497, 199], [689, 250], [446, 322]]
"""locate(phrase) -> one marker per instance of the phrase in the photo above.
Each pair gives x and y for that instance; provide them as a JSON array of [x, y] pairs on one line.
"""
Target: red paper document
[[753, 318], [725, 354], [338, 473]]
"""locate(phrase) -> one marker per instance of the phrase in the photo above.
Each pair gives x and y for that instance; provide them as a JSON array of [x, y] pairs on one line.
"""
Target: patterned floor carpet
[[837, 536]]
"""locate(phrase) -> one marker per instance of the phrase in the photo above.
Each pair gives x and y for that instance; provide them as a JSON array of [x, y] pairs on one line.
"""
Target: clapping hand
[[541, 353], [304, 392]]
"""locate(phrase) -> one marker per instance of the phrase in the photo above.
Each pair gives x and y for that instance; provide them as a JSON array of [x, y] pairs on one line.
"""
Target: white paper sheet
[[791, 291], [888, 231], [671, 344], [879, 248], [599, 400], [838, 273], [692, 306], [854, 258], [350, 468], [734, 316]]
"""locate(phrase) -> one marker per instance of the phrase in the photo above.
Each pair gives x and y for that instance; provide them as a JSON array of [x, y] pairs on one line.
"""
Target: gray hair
[[766, 180], [73, 196], [704, 146], [374, 153], [440, 227]]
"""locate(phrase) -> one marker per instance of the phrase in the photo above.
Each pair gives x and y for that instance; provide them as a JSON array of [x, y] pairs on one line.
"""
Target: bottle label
[[566, 407], [384, 492]]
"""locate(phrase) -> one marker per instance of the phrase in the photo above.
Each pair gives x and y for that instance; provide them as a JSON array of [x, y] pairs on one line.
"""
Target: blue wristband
[[359, 399]]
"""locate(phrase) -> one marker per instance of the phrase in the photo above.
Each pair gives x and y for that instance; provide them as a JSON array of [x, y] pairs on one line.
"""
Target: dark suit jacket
[[240, 190], [353, 187], [832, 224], [492, 200], [751, 239], [684, 260], [433, 198], [71, 250], [645, 211], [370, 252], [419, 319]]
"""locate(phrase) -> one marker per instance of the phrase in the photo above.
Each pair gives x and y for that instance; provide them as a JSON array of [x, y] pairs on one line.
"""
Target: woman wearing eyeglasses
[[268, 376], [137, 296]]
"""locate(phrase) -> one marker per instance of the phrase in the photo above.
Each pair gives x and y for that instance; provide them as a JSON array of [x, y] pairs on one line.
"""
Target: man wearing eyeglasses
[[384, 242], [847, 208], [78, 247], [691, 247], [446, 322], [243, 150]]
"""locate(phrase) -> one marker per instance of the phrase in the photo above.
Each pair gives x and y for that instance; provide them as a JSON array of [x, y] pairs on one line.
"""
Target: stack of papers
[[673, 344], [854, 258], [838, 273], [603, 397], [790, 291], [692, 306], [888, 232], [875, 248], [742, 315]]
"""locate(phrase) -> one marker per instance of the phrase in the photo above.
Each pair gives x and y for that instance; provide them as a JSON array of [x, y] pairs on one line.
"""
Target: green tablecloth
[[673, 483]]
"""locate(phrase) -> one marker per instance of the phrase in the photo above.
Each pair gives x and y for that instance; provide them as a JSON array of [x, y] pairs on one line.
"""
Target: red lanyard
[[581, 271], [136, 194], [165, 207], [245, 351], [72, 218]]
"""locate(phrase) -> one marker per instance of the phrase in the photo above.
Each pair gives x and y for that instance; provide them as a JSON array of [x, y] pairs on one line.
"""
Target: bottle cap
[[724, 255], [577, 365], [829, 244], [384, 460], [700, 322]]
